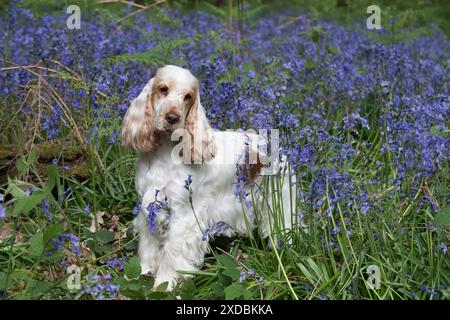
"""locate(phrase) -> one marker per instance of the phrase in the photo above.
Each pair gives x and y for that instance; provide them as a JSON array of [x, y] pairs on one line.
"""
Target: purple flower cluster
[[332, 98], [59, 241], [2, 208], [116, 263], [250, 274], [217, 229], [101, 287], [153, 210], [45, 206]]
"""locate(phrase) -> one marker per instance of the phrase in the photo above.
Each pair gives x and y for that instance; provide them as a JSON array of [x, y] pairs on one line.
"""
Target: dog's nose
[[172, 118]]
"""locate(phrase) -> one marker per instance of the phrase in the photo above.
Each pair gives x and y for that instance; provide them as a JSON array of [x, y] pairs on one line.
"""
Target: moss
[[49, 150], [79, 169], [7, 151]]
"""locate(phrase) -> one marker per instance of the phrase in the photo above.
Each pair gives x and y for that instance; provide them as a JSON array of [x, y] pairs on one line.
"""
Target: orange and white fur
[[168, 125]]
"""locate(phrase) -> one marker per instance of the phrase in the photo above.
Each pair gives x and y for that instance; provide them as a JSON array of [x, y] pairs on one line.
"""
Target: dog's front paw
[[169, 277], [147, 269]]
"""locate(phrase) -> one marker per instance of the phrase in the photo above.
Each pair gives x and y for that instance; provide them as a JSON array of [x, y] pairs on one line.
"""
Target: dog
[[194, 181]]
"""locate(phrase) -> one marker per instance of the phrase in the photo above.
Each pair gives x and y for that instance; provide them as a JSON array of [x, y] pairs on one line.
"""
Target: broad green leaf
[[133, 268], [52, 176], [52, 232], [233, 291], [233, 273], [309, 63], [37, 245], [315, 37], [217, 288], [104, 236], [26, 204], [105, 249], [332, 49], [40, 287], [14, 190], [443, 217], [226, 261], [435, 131], [21, 165], [32, 157], [361, 70]]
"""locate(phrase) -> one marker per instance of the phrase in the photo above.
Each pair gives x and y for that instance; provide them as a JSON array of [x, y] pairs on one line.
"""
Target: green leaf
[[443, 217], [52, 232], [37, 245], [233, 291], [233, 273], [315, 37], [32, 157], [104, 236], [217, 288], [52, 175], [361, 70], [162, 287], [40, 287], [21, 165], [188, 290], [318, 29], [103, 249], [332, 49], [435, 131], [26, 204], [309, 63], [133, 268], [226, 261], [248, 294], [14, 190]]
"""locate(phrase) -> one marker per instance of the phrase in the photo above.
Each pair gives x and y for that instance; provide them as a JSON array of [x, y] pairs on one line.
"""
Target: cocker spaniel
[[195, 182]]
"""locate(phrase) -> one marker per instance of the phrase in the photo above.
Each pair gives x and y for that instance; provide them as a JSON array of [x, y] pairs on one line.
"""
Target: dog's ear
[[199, 137], [138, 131]]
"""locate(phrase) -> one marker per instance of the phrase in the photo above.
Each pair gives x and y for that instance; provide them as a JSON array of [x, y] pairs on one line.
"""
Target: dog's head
[[170, 101]]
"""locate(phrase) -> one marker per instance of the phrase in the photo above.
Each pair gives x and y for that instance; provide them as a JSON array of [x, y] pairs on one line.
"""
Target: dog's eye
[[164, 89], [187, 97]]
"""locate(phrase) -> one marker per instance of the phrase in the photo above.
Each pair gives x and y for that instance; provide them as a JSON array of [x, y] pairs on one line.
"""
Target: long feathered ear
[[199, 136], [138, 130]]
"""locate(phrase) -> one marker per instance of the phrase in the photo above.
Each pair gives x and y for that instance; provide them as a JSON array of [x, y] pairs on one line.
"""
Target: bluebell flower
[[187, 182], [59, 240], [153, 210], [385, 85], [242, 276], [353, 119], [137, 208], [46, 209], [115, 262], [443, 248], [101, 287], [87, 209], [2, 211], [334, 230], [219, 228]]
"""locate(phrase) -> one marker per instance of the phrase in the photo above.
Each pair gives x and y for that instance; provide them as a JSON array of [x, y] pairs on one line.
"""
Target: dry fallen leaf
[[4, 232], [97, 221]]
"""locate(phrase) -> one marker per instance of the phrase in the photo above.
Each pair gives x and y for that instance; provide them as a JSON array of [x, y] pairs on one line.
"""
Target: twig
[[291, 21], [140, 10], [121, 1]]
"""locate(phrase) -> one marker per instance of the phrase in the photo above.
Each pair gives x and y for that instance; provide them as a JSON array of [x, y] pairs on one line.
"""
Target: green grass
[[396, 239]]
